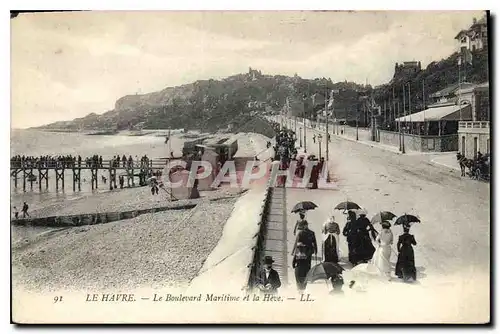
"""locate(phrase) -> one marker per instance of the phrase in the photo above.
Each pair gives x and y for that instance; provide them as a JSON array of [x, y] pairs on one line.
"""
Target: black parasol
[[324, 270], [407, 220], [347, 206], [304, 206]]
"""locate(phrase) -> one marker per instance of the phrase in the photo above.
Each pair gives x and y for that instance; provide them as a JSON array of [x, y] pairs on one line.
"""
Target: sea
[[36, 143]]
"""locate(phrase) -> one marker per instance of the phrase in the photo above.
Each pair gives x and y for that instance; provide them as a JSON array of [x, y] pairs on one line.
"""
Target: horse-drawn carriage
[[479, 167]]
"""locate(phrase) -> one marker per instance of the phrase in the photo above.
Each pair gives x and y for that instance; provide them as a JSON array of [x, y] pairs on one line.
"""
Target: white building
[[474, 136], [475, 38]]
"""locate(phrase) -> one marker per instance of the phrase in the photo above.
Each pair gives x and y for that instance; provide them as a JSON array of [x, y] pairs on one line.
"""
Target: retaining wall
[[94, 218], [254, 266], [446, 143]]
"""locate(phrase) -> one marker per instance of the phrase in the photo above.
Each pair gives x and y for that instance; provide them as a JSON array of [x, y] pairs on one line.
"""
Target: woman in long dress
[[331, 232], [363, 246], [405, 266], [382, 256]]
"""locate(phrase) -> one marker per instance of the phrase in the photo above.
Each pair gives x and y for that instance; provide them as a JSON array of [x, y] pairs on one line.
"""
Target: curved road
[[453, 251]]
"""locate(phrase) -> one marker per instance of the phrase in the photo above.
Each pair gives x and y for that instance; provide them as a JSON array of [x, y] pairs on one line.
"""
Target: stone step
[[275, 225], [274, 234]]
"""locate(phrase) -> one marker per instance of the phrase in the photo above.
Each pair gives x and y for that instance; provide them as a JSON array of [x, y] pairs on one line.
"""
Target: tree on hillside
[[215, 103]]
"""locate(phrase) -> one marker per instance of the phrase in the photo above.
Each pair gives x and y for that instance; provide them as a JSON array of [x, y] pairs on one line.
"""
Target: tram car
[[190, 146]]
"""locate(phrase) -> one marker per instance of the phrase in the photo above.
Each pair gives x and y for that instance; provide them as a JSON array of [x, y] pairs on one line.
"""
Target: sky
[[67, 65]]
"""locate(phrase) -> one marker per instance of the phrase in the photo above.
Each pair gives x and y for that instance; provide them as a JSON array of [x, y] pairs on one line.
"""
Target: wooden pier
[[27, 172]]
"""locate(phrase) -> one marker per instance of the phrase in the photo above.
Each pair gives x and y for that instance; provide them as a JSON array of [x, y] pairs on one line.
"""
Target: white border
[[183, 5]]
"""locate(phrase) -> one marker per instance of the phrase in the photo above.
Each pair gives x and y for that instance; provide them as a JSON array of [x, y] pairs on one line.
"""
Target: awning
[[448, 113]]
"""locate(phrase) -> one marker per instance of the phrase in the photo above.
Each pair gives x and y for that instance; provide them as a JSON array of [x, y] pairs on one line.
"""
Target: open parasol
[[347, 206], [383, 216], [324, 270], [304, 206], [407, 220]]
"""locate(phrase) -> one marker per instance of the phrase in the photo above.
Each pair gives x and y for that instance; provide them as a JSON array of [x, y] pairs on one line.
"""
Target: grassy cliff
[[232, 103]]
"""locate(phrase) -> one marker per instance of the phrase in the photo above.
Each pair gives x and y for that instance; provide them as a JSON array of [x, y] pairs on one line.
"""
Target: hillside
[[438, 75], [210, 104], [231, 103]]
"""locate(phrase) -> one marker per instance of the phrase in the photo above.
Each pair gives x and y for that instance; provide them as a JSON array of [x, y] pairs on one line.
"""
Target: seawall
[[94, 218]]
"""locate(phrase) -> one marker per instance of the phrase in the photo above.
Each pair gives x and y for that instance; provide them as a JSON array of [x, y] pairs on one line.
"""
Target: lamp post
[[319, 143], [327, 137], [300, 136], [399, 128], [305, 127], [357, 116], [406, 124]]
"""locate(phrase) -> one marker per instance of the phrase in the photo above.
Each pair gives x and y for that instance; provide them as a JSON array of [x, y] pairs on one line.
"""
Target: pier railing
[[253, 267], [105, 164], [26, 170]]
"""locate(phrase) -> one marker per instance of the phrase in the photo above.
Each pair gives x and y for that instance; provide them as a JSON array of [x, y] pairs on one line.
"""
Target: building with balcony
[[474, 135], [475, 38]]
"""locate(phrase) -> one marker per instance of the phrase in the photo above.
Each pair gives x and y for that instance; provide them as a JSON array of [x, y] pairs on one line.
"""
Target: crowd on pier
[[71, 161]]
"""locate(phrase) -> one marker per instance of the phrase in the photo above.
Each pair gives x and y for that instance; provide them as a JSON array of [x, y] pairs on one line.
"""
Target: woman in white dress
[[382, 256]]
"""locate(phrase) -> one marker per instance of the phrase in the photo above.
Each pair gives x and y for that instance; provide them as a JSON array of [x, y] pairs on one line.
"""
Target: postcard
[[221, 167]]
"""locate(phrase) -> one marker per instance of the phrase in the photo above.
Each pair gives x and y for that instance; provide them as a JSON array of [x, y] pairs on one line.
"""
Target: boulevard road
[[453, 251]]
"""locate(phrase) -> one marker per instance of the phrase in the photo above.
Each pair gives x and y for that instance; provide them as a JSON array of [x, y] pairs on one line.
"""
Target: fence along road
[[275, 232]]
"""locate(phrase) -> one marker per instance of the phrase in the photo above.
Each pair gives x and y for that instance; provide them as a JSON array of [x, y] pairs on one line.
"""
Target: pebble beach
[[154, 250], [151, 250]]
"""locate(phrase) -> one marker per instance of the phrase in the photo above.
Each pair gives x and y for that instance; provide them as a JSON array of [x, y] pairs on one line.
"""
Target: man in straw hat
[[269, 279]]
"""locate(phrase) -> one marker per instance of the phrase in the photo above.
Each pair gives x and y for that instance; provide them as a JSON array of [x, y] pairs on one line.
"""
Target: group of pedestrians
[[286, 152], [285, 147], [24, 211], [357, 232], [129, 162], [46, 161], [329, 138], [361, 249], [360, 236], [316, 170], [70, 161]]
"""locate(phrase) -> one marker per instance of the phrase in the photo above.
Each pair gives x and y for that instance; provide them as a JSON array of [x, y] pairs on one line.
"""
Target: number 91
[[58, 299]]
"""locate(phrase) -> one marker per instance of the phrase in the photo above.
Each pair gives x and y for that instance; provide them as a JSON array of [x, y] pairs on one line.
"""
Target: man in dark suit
[[310, 242], [269, 279]]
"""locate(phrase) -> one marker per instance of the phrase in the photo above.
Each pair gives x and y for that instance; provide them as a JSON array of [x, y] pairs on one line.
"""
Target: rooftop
[[475, 23], [460, 33], [451, 89], [485, 86], [448, 102]]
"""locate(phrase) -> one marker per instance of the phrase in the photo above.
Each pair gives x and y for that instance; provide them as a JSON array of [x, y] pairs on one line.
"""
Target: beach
[[152, 250]]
